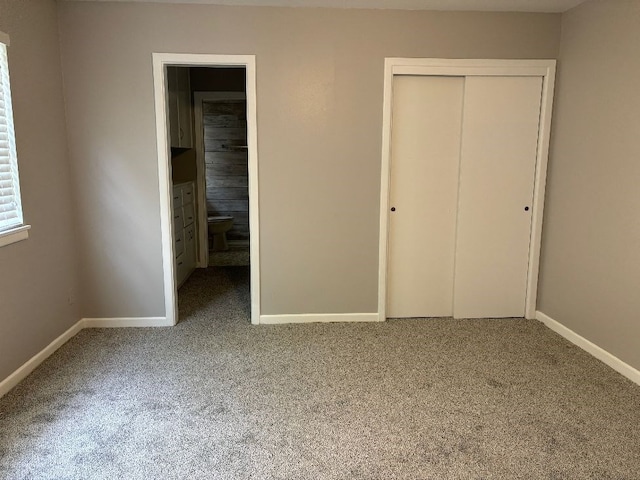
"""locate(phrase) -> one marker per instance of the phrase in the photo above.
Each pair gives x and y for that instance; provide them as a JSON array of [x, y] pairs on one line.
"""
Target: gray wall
[[38, 275], [590, 270], [320, 82]]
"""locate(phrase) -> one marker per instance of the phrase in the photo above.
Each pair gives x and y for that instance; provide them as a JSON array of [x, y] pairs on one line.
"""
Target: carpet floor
[[236, 256], [217, 398]]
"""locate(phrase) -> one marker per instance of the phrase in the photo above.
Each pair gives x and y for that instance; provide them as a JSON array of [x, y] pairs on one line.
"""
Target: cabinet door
[[184, 108], [172, 103]]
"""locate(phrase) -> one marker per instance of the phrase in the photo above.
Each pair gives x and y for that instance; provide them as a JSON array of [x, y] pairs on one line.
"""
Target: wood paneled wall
[[227, 175]]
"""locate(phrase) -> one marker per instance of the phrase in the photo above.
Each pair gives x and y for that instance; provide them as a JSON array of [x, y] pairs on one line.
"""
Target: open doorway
[[207, 154], [222, 157]]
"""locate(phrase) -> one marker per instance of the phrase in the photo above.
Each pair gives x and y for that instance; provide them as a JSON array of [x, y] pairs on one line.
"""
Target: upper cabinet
[[180, 108]]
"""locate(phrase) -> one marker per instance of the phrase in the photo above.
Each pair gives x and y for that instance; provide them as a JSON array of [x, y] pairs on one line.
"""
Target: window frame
[[19, 231]]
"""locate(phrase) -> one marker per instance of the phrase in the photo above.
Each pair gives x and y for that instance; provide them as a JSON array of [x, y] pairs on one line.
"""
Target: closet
[[463, 155]]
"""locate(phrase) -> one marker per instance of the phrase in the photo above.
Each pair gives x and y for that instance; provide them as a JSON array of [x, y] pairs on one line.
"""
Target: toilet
[[218, 228]]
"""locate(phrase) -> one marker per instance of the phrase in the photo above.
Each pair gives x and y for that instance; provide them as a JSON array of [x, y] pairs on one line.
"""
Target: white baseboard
[[590, 347], [319, 318], [22, 372], [126, 322]]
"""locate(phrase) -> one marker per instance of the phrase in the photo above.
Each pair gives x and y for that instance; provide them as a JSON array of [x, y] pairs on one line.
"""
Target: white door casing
[[160, 62]]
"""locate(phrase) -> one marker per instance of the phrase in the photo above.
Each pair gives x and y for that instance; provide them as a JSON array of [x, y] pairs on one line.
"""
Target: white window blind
[[10, 205]]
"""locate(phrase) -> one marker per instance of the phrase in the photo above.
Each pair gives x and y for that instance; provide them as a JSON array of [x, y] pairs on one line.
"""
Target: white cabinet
[[180, 109], [184, 231]]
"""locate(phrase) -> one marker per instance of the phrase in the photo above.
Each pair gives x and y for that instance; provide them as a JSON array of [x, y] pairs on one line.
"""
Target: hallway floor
[[236, 256]]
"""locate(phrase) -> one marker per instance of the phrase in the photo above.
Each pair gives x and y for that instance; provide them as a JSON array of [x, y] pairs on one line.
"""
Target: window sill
[[14, 235]]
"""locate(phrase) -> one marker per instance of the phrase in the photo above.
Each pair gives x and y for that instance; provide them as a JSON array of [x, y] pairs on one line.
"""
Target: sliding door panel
[[425, 158], [497, 169]]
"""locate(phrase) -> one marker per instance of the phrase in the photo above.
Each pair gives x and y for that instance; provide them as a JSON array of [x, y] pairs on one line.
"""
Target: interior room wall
[[319, 90], [590, 266], [38, 289]]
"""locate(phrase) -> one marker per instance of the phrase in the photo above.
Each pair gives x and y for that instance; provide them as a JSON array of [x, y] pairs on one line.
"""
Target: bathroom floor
[[236, 256]]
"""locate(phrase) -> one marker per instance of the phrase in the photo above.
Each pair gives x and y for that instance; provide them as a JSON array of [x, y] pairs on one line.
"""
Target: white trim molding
[[21, 373], [468, 67], [14, 235], [126, 322], [160, 62], [542, 6], [137, 322], [601, 354], [318, 318]]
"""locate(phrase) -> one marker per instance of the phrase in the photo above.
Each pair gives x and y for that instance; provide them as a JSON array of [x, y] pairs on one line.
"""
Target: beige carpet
[[217, 398]]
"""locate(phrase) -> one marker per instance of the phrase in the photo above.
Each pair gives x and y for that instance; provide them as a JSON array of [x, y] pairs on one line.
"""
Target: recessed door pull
[[526, 209], [393, 209]]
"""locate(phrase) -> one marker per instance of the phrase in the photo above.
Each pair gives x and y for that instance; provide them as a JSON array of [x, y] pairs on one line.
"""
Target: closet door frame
[[469, 67]]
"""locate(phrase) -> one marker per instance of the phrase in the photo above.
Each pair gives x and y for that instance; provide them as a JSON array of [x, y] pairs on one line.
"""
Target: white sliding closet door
[[498, 158], [425, 157]]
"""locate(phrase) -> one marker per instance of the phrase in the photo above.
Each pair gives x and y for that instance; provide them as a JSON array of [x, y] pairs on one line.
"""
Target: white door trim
[[160, 62], [457, 67]]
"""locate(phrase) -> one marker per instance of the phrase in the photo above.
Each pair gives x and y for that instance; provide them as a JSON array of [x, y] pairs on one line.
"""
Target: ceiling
[[471, 5]]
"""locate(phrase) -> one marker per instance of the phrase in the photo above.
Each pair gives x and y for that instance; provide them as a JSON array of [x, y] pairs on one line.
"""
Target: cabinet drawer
[[178, 218], [179, 242], [190, 246], [177, 197], [190, 234], [188, 215], [182, 269], [187, 194]]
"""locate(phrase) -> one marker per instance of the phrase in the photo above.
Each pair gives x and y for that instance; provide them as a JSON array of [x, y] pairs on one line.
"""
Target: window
[[12, 228]]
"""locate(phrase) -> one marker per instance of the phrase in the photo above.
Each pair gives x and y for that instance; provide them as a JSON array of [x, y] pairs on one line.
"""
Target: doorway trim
[[469, 67], [160, 62]]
